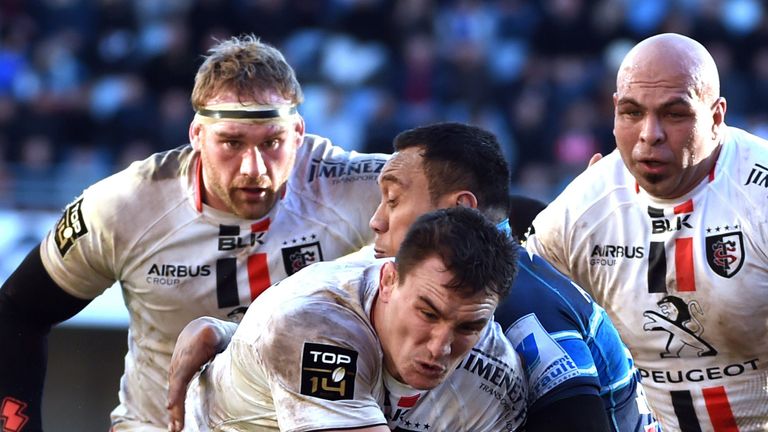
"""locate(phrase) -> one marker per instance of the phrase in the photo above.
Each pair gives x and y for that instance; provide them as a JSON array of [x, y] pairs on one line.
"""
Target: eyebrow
[[672, 102], [229, 134], [274, 131], [390, 178], [478, 322]]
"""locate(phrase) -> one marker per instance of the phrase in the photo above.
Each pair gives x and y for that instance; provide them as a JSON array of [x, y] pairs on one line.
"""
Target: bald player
[[669, 233]]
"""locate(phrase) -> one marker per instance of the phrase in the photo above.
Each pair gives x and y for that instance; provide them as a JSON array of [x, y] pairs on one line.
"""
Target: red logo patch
[[11, 415]]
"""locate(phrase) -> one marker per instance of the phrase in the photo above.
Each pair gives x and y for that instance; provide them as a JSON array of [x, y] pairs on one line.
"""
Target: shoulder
[[146, 184], [744, 158], [589, 199], [539, 288], [491, 378], [325, 298], [319, 161], [606, 178], [742, 170], [494, 362]]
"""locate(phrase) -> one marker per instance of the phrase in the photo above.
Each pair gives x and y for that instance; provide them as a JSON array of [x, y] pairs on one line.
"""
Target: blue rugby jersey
[[569, 345]]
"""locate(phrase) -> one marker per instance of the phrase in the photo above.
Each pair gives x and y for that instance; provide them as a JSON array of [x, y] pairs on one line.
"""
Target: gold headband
[[240, 113]]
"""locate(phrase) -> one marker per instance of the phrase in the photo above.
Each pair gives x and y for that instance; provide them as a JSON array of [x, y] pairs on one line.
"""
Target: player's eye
[[272, 144], [470, 329], [429, 316], [232, 144]]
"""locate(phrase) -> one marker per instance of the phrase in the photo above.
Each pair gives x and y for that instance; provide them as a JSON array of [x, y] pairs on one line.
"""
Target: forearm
[[583, 412], [23, 363], [30, 303], [206, 334], [223, 331], [197, 344]]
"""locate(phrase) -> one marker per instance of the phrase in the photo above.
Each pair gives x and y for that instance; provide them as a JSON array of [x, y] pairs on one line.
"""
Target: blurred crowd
[[86, 86]]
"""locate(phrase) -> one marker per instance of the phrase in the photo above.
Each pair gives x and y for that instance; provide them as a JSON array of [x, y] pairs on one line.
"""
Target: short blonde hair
[[248, 67]]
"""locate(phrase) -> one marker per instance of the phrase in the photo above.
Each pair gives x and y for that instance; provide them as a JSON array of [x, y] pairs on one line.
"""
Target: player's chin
[[421, 380], [247, 210], [252, 208], [425, 383]]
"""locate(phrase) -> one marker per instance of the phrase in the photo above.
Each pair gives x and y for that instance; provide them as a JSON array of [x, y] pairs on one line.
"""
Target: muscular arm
[[30, 304], [196, 345]]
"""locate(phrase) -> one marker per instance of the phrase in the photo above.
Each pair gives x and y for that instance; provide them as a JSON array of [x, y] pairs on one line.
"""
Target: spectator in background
[[552, 53]]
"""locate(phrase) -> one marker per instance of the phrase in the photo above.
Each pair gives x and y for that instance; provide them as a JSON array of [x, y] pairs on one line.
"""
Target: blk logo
[[230, 238], [662, 224]]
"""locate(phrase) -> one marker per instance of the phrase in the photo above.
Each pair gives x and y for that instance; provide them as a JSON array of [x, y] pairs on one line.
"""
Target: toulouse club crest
[[297, 257], [725, 253]]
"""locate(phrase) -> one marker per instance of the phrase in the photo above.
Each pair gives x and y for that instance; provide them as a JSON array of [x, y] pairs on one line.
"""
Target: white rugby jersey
[[306, 357], [685, 281], [177, 259]]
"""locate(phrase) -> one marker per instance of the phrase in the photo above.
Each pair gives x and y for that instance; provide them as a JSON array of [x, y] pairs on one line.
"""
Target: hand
[[196, 345], [595, 157]]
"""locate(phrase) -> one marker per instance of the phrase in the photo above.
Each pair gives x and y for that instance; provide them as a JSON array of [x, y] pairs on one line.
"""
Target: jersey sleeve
[[547, 235], [78, 252], [560, 232], [322, 363], [547, 320]]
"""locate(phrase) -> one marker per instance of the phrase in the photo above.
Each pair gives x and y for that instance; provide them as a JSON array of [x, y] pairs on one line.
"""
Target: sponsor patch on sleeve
[[328, 372], [71, 226]]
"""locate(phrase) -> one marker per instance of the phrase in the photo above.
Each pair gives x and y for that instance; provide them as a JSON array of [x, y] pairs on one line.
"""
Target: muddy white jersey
[[685, 281], [486, 392], [177, 259], [306, 357]]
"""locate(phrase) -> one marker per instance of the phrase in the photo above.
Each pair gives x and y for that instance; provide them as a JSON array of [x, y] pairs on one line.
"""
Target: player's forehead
[[652, 73], [429, 287], [403, 170]]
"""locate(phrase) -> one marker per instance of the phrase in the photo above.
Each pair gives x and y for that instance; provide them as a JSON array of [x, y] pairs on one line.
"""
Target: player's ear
[[466, 199], [462, 198], [299, 128], [387, 280], [195, 131]]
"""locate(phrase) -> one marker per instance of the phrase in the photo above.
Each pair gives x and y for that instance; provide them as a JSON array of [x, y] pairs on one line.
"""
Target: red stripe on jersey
[[686, 207], [684, 264], [260, 226], [408, 401], [719, 409], [258, 274], [712, 171], [199, 185]]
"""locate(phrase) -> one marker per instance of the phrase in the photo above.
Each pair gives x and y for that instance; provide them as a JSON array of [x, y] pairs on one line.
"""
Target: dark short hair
[[522, 211], [480, 257], [458, 156]]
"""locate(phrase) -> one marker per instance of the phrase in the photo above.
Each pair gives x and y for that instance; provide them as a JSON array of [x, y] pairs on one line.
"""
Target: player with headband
[[202, 229]]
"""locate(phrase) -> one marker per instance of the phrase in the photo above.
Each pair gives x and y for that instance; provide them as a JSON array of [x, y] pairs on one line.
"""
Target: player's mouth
[[253, 193], [430, 370], [652, 166], [378, 253]]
